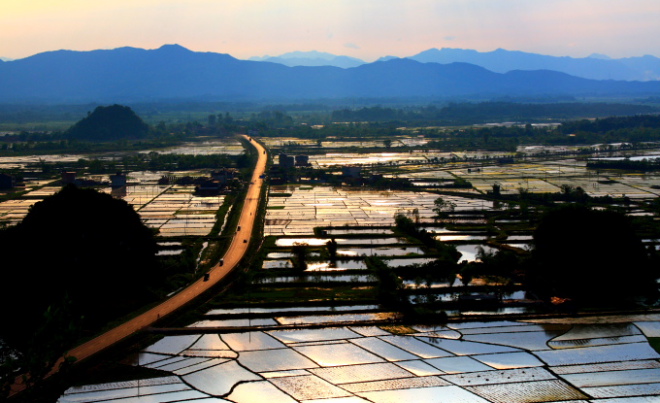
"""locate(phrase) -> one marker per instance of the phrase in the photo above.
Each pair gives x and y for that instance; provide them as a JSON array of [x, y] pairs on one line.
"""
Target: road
[[232, 257]]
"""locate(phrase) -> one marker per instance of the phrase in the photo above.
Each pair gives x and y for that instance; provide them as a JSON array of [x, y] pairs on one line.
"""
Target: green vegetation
[[644, 165], [470, 113]]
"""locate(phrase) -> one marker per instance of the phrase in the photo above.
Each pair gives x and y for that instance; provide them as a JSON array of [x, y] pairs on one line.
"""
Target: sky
[[367, 29]]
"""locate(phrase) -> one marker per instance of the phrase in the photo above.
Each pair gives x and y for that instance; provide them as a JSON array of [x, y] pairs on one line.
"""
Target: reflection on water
[[477, 361], [317, 278], [332, 355], [448, 238], [384, 349], [229, 146], [510, 360], [361, 373], [250, 341], [287, 242], [172, 344], [340, 265], [313, 335], [234, 323], [258, 310], [469, 252], [448, 394], [381, 251], [366, 231], [258, 391], [220, 379], [275, 360], [148, 390], [330, 319]]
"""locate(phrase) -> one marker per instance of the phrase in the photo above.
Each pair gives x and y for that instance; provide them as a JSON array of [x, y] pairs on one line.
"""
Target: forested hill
[[175, 73], [109, 123]]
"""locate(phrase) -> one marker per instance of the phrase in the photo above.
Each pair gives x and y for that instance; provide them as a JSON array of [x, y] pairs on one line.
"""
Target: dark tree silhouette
[[300, 252], [332, 249], [79, 248], [589, 255]]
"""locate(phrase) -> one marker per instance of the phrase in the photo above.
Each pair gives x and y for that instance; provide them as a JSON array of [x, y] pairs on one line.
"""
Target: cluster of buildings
[[117, 180], [221, 180], [286, 171], [287, 161]]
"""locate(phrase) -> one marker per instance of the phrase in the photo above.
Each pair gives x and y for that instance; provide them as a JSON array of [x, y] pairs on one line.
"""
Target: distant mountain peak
[[596, 66], [599, 56], [386, 58], [173, 48], [174, 72], [308, 54], [311, 58]]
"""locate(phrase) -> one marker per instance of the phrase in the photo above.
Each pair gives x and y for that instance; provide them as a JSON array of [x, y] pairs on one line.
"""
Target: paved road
[[231, 258]]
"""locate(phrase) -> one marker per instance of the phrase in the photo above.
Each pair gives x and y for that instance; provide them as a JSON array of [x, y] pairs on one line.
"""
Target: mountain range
[[312, 58], [175, 73], [596, 66]]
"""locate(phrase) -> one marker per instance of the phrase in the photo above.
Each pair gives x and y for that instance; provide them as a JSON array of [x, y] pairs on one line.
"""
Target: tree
[[589, 255], [332, 249], [443, 207], [390, 287], [81, 246], [78, 259], [497, 189], [300, 252]]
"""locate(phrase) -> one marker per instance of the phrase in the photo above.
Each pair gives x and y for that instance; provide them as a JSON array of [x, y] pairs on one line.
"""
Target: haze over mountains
[[596, 66], [312, 58], [175, 73]]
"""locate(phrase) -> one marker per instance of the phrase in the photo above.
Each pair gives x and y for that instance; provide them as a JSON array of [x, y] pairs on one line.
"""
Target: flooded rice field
[[306, 207], [174, 210], [467, 362], [395, 142], [344, 362], [228, 146]]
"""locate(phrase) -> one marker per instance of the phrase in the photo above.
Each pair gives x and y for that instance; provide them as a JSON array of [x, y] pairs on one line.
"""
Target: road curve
[[234, 254], [232, 257]]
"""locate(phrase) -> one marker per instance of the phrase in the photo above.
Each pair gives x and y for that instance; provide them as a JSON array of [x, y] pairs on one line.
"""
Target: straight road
[[234, 254]]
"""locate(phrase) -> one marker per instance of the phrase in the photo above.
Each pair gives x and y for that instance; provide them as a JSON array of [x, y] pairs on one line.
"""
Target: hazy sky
[[366, 29]]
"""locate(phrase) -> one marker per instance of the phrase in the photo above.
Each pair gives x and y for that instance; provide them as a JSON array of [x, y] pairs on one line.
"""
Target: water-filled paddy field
[[344, 362], [305, 207], [504, 361], [172, 209]]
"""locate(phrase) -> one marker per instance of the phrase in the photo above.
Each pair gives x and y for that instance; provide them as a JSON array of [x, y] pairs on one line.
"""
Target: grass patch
[[399, 329], [655, 343]]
